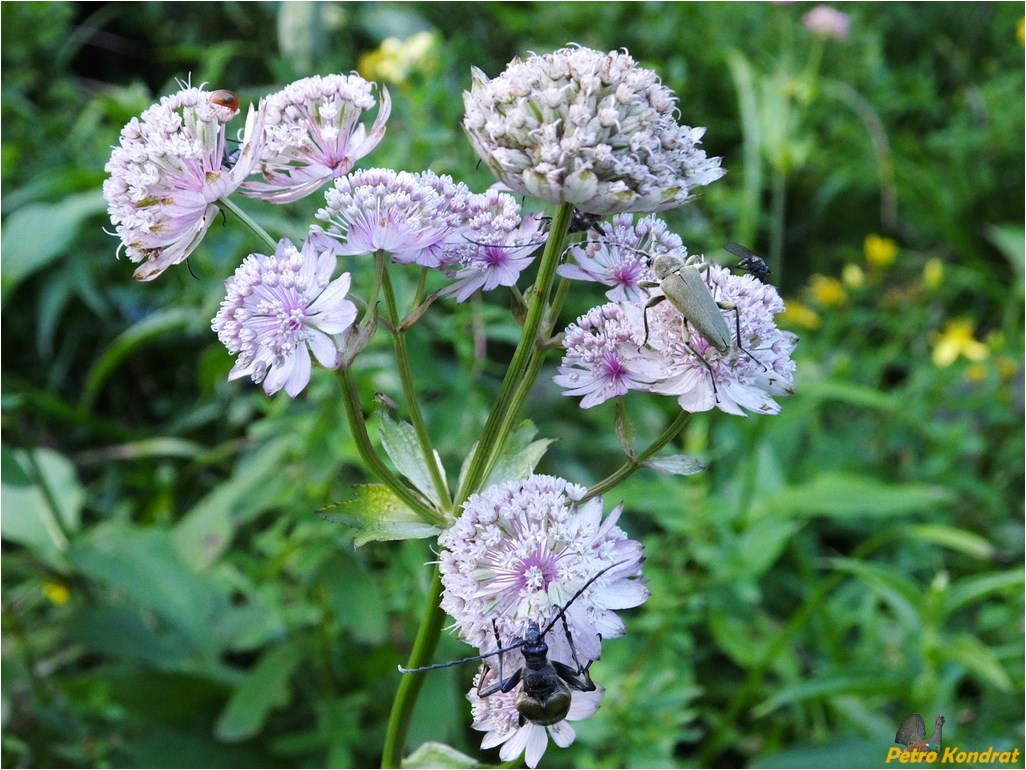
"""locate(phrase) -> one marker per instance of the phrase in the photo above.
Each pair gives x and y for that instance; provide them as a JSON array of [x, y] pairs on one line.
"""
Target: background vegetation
[[170, 597]]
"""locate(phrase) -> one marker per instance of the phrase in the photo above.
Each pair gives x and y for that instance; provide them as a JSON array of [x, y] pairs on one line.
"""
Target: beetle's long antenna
[[471, 659], [576, 596]]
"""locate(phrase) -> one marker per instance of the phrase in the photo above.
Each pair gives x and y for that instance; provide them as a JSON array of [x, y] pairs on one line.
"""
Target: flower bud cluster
[[588, 128]]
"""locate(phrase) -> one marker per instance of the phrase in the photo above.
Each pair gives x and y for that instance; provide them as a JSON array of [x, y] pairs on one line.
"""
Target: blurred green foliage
[[171, 599]]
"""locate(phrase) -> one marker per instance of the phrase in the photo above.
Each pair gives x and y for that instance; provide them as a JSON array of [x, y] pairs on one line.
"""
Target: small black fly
[[749, 261]]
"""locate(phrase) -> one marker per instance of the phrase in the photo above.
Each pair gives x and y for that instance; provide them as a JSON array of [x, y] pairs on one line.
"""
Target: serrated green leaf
[[264, 688], [400, 443], [519, 456], [434, 755], [676, 465], [377, 514]]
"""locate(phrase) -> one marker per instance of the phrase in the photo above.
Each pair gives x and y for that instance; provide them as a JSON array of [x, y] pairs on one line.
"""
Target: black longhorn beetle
[[545, 696]]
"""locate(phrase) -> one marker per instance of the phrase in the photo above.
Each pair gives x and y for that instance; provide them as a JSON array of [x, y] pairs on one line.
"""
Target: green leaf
[[399, 441], [36, 234], [676, 465], [978, 658], [377, 514], [145, 566], [432, 754], [207, 529], [519, 456], [957, 539], [152, 327], [263, 689], [829, 686], [898, 591], [41, 500], [844, 495], [970, 590]]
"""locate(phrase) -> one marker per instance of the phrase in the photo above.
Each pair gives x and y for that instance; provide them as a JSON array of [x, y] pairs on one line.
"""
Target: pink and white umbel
[[519, 551]]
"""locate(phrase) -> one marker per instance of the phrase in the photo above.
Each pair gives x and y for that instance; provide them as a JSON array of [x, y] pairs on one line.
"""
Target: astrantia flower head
[[312, 133], [757, 365], [498, 717], [827, 23], [620, 255], [407, 215], [588, 128], [605, 358], [280, 308], [169, 171], [494, 246], [521, 549]]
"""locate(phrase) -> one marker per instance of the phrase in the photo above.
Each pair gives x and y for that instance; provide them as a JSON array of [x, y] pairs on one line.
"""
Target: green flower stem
[[778, 206], [248, 221], [354, 411], [634, 464], [410, 684], [489, 445], [402, 360], [521, 373]]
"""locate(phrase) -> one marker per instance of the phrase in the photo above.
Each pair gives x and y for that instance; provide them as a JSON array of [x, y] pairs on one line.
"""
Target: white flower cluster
[[169, 171], [312, 134], [588, 128], [281, 308]]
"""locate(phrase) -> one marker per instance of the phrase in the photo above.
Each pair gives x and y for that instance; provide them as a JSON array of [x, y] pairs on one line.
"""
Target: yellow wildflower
[[1020, 30], [799, 314], [395, 59], [826, 291], [957, 340], [933, 274], [56, 592], [880, 252], [853, 277]]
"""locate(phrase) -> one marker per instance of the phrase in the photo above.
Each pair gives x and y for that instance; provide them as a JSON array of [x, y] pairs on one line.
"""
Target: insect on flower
[[225, 98], [544, 698], [749, 261], [682, 284]]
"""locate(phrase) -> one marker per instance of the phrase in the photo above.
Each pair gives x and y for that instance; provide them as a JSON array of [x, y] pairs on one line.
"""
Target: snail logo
[[912, 733], [920, 749]]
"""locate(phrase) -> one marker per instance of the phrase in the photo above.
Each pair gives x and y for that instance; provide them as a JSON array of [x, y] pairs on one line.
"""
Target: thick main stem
[[490, 443], [410, 684], [522, 371]]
